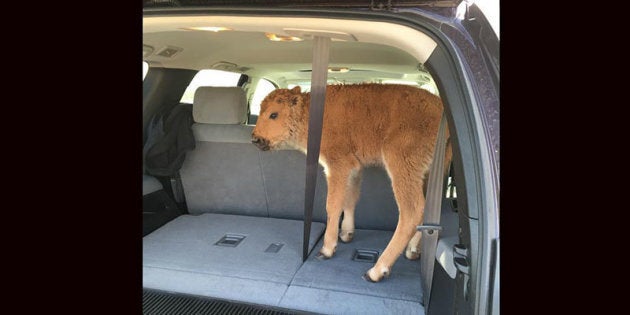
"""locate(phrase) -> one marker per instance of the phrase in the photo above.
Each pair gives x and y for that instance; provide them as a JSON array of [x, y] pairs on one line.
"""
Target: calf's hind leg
[[405, 170], [353, 190]]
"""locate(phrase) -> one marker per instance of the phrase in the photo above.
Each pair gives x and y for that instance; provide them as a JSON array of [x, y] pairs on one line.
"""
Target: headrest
[[220, 105]]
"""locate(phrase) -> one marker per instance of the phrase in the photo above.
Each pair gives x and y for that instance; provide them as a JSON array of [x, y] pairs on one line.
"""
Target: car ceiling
[[368, 48]]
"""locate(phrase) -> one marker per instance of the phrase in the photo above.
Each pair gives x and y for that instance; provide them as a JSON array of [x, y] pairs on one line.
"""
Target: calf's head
[[279, 119]]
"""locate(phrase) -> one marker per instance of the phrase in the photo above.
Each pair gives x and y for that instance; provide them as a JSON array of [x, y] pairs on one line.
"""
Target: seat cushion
[[182, 256], [336, 285]]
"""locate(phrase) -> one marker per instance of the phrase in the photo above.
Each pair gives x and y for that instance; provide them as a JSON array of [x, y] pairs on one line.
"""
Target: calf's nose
[[255, 140]]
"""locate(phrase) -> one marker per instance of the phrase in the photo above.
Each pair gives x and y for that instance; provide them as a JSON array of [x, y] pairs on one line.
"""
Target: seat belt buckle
[[429, 228]]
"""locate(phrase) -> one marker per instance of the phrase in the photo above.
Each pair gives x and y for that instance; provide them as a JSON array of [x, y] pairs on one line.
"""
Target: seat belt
[[321, 50], [432, 211]]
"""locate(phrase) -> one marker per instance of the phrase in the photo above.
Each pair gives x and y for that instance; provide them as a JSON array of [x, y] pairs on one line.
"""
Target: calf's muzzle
[[261, 143]]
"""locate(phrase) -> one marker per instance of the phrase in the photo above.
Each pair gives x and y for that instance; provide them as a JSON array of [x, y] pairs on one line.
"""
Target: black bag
[[168, 141]]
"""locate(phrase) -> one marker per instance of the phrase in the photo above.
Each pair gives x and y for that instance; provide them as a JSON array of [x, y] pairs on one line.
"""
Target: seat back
[[225, 173], [222, 174]]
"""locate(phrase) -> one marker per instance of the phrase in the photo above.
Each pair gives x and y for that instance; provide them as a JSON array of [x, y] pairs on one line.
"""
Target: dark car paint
[[379, 4]]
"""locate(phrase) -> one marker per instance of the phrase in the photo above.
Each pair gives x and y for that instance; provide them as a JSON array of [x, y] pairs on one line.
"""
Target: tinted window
[[263, 88], [209, 78]]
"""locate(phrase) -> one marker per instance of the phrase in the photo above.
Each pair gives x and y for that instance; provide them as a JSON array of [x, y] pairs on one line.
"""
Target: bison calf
[[394, 126]]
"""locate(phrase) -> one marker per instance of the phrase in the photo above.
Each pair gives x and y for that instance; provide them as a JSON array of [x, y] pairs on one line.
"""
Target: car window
[[209, 77], [263, 88], [145, 69], [431, 88]]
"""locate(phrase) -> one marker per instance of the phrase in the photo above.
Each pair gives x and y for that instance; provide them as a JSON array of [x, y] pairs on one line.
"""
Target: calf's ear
[[296, 90]]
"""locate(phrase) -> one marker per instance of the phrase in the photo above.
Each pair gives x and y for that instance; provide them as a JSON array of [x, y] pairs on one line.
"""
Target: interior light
[[208, 28], [282, 38], [338, 70]]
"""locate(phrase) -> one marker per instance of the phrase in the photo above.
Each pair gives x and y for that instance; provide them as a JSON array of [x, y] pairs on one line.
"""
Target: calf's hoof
[[324, 253], [412, 254], [346, 236], [321, 256], [373, 275]]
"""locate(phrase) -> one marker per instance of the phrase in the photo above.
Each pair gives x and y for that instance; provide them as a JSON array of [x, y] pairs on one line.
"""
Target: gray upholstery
[[284, 174], [222, 174], [337, 302], [224, 178], [182, 256], [342, 274], [220, 105], [223, 133], [229, 288], [377, 208], [150, 184], [230, 175]]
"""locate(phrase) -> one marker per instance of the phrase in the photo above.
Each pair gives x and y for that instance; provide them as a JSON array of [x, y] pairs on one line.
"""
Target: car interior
[[226, 222]]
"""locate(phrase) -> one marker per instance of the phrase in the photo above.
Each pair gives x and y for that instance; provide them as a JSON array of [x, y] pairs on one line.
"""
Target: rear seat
[[227, 174], [234, 191], [222, 174], [228, 247]]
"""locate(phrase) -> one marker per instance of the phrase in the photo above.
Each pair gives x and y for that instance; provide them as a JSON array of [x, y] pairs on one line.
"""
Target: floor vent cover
[[230, 240], [365, 255], [274, 248]]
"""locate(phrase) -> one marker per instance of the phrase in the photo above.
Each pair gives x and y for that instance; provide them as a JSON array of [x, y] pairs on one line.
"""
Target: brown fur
[[394, 126]]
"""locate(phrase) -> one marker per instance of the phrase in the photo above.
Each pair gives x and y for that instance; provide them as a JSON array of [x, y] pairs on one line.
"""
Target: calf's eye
[[273, 115]]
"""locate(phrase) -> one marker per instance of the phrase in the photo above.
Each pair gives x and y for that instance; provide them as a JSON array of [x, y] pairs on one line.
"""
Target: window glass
[[263, 89], [209, 77]]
